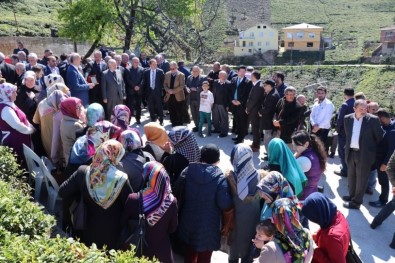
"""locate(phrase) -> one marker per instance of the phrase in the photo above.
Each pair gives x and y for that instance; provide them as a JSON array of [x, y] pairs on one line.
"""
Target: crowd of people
[[80, 116]]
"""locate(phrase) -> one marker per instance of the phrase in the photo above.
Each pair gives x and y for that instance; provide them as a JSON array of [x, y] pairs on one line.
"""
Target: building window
[[250, 44], [388, 34], [258, 26], [244, 43], [289, 35], [390, 45], [259, 49], [311, 35], [250, 50], [259, 44], [241, 35], [260, 34], [299, 35], [264, 26], [310, 44], [271, 34], [291, 44], [267, 43], [252, 34]]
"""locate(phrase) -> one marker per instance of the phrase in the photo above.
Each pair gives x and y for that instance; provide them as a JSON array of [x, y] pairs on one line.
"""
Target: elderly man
[[163, 64], [118, 59], [7, 70], [363, 134], [153, 87], [125, 60], [221, 88], [144, 61], [98, 66], [287, 115], [22, 57], [20, 70], [51, 67], [214, 74], [133, 85], [33, 61], [174, 86], [231, 74], [194, 84], [112, 87], [76, 82], [14, 59]]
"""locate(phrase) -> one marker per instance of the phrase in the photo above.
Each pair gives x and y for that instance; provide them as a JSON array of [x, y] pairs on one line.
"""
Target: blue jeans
[[205, 116], [372, 180], [342, 153]]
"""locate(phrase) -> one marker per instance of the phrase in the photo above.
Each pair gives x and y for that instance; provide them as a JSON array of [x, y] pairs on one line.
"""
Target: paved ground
[[371, 245]]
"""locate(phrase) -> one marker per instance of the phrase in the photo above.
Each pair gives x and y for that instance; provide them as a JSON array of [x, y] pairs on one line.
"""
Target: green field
[[377, 82], [357, 20]]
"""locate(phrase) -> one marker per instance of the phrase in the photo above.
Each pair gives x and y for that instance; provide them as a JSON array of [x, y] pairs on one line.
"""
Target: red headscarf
[[70, 107]]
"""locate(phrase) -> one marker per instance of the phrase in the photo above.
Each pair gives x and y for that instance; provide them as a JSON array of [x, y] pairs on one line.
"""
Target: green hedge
[[25, 229]]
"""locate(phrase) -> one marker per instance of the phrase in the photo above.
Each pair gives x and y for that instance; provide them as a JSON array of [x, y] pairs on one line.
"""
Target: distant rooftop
[[302, 26], [388, 28]]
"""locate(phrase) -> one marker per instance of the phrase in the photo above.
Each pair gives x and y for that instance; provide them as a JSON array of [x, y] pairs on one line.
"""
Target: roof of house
[[302, 26], [388, 28]]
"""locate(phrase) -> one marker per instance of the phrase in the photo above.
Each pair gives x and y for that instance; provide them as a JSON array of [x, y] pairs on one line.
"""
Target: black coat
[[8, 72], [133, 77], [159, 79], [288, 113], [243, 91], [268, 109], [255, 97], [220, 93], [25, 103]]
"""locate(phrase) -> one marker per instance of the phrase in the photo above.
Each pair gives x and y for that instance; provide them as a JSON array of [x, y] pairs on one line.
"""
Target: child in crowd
[[206, 104], [264, 235]]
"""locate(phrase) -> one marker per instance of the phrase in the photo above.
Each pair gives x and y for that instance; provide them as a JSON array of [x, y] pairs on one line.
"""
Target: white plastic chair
[[40, 168], [35, 171]]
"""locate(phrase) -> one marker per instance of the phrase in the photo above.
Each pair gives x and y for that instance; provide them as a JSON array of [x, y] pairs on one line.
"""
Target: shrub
[[9, 168]]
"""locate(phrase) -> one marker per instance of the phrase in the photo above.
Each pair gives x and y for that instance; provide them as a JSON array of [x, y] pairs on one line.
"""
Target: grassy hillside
[[357, 20], [34, 17], [376, 82]]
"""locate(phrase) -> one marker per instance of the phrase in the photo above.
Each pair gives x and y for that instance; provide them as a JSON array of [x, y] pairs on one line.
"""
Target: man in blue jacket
[[76, 82]]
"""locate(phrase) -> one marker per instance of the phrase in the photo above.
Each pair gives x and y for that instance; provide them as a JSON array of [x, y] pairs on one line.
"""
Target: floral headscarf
[[58, 86], [94, 113], [293, 240], [121, 116], [71, 107], [243, 167], [157, 197], [99, 133], [6, 90], [184, 143], [103, 179], [52, 79], [130, 140]]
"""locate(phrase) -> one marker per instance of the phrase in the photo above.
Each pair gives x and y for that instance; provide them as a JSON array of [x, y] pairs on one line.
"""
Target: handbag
[[78, 211], [352, 256], [137, 228]]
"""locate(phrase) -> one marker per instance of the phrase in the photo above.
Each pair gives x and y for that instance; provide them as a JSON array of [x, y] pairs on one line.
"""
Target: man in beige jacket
[[175, 97]]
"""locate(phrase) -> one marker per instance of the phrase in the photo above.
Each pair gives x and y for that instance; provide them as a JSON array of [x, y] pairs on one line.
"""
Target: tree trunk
[[92, 48], [130, 26]]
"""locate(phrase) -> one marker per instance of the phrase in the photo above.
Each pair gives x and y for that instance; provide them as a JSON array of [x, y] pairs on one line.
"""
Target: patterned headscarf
[[103, 179], [243, 168], [6, 90], [55, 98], [184, 143], [59, 86], [121, 116], [280, 154], [293, 240], [157, 196], [94, 113], [52, 79], [70, 107], [130, 140], [99, 133]]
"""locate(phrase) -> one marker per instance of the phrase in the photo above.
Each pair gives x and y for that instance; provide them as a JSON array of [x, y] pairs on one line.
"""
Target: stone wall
[[39, 44]]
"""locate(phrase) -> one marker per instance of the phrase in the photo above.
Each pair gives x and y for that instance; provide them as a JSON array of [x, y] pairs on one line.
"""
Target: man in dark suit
[[221, 88], [7, 70], [98, 66], [33, 61], [240, 89], [162, 63], [346, 108], [363, 134], [144, 61], [134, 89], [76, 82], [214, 74], [113, 87], [153, 79], [194, 85], [267, 111], [252, 109], [51, 67]]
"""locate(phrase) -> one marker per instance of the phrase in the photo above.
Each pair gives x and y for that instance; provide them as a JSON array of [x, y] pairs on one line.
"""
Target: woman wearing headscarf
[[121, 116], [71, 109], [272, 187], [160, 210], [14, 126], [52, 79], [134, 159], [59, 86], [157, 140], [204, 192], [85, 146], [186, 151], [333, 237], [243, 182], [282, 160], [94, 113], [292, 243], [105, 190]]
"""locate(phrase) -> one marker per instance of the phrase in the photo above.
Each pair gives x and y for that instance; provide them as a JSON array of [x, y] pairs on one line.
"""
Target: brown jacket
[[179, 84]]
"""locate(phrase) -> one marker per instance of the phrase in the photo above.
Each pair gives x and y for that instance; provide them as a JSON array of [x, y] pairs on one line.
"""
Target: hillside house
[[256, 40], [303, 37], [387, 39]]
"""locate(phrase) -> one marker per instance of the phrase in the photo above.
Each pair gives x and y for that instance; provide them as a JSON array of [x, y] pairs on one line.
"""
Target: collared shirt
[[254, 83], [54, 70], [153, 77], [356, 131], [321, 114]]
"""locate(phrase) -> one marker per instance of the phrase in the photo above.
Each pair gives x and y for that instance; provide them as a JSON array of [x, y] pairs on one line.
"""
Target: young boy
[[263, 239], [206, 104]]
